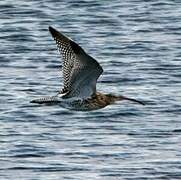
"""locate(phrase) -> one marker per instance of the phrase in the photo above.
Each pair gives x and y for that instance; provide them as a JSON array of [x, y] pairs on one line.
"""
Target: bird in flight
[[80, 74]]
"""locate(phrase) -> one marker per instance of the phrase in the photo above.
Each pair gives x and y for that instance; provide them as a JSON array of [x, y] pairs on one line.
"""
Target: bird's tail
[[46, 100]]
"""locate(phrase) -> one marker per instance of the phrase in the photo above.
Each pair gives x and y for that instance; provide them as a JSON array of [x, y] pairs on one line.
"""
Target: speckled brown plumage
[[80, 74], [98, 101]]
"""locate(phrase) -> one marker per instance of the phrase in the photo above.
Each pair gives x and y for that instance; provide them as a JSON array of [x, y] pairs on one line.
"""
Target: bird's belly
[[82, 105]]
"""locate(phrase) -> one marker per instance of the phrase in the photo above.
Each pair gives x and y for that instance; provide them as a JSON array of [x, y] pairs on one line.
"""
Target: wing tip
[[53, 31], [51, 28]]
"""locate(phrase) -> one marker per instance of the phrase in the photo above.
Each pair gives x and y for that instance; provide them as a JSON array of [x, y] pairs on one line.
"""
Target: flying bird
[[80, 74]]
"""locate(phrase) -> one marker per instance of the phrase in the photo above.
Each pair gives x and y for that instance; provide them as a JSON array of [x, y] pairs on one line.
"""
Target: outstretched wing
[[80, 71], [68, 56]]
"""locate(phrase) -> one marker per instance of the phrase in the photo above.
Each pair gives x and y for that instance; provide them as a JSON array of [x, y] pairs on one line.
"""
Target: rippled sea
[[137, 42]]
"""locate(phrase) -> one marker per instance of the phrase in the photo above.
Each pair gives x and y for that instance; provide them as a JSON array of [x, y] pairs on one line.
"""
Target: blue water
[[137, 42]]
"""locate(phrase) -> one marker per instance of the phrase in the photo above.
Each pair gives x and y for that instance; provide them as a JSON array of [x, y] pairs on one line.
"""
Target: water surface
[[137, 43]]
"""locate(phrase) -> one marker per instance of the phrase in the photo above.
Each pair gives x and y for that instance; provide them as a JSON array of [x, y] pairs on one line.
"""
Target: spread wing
[[80, 71], [68, 56]]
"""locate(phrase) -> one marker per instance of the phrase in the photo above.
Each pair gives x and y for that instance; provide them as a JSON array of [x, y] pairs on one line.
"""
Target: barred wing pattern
[[63, 45], [80, 71]]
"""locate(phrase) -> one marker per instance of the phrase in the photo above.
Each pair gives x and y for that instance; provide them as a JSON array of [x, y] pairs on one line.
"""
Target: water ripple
[[138, 44]]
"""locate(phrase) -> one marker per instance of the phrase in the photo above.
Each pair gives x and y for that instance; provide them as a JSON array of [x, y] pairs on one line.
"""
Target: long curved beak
[[131, 99]]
